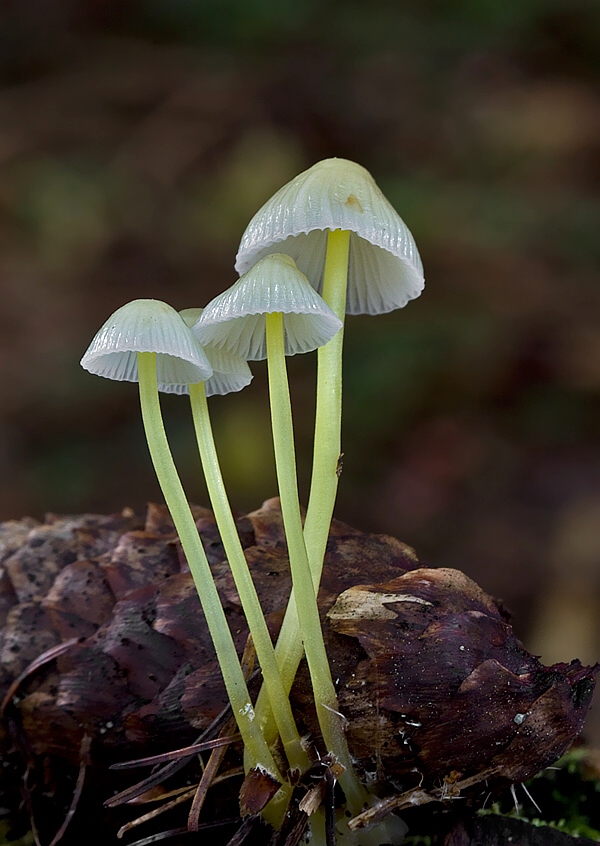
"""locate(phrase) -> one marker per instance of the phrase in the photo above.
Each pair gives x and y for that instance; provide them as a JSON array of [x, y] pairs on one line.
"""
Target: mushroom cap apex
[[191, 315]]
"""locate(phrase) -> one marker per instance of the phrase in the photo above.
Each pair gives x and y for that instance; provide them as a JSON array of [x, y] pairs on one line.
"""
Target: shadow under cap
[[230, 372]]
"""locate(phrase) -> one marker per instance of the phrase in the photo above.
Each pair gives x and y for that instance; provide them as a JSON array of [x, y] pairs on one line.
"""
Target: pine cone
[[431, 679]]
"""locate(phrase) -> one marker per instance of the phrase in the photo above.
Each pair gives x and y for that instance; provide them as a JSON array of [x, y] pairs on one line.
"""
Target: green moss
[[26, 840], [567, 797]]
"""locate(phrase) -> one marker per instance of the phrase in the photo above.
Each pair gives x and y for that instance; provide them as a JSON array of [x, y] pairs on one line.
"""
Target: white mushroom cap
[[147, 326], [235, 320], [385, 269], [230, 372]]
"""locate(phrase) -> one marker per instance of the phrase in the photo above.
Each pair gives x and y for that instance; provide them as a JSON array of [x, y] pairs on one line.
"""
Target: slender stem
[[304, 590], [326, 456], [216, 621], [278, 696], [328, 418]]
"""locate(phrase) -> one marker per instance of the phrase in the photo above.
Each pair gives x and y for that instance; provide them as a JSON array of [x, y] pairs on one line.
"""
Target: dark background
[[138, 137]]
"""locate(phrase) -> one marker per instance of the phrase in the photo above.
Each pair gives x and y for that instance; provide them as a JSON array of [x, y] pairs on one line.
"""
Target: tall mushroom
[[352, 245]]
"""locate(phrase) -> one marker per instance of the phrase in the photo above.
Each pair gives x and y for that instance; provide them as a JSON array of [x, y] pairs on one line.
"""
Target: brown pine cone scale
[[432, 681]]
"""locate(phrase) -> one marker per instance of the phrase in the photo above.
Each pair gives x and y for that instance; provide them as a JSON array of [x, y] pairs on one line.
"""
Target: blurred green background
[[138, 137]]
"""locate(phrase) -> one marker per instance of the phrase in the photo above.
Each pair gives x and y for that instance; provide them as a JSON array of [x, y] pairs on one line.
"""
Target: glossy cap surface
[[385, 269], [147, 326], [235, 320]]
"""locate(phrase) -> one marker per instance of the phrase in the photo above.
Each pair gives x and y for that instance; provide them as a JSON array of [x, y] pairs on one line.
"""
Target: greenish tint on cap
[[144, 326], [235, 320], [385, 269]]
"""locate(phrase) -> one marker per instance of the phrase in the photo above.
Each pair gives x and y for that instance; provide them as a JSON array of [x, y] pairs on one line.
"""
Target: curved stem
[[304, 590], [278, 696], [216, 621]]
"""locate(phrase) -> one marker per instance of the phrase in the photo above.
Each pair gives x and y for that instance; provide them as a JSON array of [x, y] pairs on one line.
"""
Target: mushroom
[[231, 373], [334, 221], [147, 341], [272, 311]]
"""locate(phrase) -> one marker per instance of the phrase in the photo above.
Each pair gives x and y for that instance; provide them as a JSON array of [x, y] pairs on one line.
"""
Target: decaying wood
[[503, 831], [437, 691]]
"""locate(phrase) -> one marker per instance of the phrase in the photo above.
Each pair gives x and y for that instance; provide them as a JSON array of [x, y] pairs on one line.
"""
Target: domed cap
[[147, 326], [230, 372], [235, 320], [385, 269]]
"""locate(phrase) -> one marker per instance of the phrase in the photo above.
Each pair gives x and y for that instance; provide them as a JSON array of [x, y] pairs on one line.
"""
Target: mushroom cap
[[230, 372], [147, 326], [385, 269], [235, 320]]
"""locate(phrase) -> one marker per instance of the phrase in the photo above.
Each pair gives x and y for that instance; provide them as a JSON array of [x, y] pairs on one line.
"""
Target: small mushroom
[[231, 372], [235, 320], [147, 326], [147, 341]]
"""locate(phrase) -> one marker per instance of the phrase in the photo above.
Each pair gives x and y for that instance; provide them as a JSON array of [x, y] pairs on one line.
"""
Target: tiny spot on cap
[[354, 203]]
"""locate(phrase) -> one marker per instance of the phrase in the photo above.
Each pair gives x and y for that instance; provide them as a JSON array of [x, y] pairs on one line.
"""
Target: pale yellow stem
[[278, 696], [168, 478], [325, 698]]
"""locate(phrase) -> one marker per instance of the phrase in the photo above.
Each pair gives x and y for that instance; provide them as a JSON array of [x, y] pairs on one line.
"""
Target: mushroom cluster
[[326, 244]]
